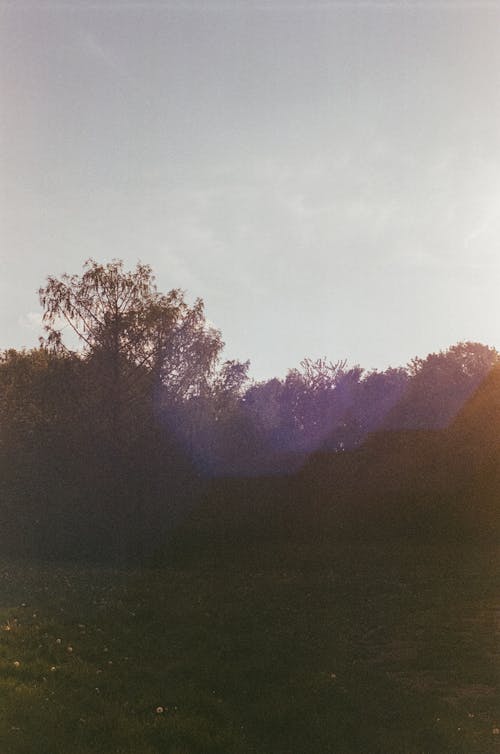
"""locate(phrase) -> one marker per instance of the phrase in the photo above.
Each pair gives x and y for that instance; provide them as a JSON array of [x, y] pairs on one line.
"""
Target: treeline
[[110, 429]]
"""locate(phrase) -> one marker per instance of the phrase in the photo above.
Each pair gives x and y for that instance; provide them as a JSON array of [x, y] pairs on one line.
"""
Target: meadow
[[274, 648]]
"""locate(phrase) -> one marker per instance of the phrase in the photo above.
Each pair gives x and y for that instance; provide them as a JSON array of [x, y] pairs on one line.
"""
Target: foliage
[[108, 430], [440, 384], [123, 322]]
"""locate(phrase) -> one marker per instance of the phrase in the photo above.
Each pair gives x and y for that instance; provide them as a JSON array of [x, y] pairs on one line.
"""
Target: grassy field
[[285, 650]]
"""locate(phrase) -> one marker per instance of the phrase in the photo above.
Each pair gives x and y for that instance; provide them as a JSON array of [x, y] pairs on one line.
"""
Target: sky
[[326, 176]]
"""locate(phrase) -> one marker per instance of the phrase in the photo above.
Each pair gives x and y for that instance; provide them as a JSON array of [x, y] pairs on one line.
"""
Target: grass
[[273, 650]]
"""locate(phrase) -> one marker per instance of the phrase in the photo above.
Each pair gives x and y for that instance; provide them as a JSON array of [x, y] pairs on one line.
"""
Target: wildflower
[[16, 663], [58, 641], [53, 669], [69, 649], [160, 710], [496, 731]]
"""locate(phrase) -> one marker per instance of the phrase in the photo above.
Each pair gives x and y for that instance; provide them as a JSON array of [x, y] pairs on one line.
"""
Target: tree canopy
[[121, 320], [109, 429]]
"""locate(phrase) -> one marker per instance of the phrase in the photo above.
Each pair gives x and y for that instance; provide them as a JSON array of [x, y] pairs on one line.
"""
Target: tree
[[370, 400], [440, 384], [143, 354], [40, 450], [317, 398], [133, 334]]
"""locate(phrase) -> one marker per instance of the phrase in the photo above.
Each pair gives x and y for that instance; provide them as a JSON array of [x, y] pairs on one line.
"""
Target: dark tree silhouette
[[111, 430], [133, 333], [440, 384], [143, 353]]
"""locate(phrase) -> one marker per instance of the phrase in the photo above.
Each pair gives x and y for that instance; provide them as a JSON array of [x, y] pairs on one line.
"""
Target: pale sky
[[326, 176]]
